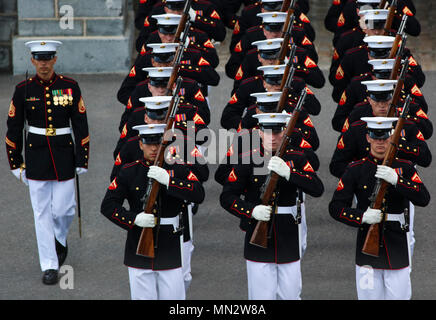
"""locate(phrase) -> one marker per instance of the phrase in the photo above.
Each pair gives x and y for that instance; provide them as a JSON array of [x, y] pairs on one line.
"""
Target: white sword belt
[[50, 132]]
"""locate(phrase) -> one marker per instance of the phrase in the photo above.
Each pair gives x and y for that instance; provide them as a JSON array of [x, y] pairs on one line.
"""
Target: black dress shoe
[[50, 277], [61, 252]]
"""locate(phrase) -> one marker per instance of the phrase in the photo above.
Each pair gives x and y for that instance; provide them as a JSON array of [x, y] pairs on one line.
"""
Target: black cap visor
[[272, 6], [379, 53], [151, 138], [274, 127], [273, 27], [375, 24], [382, 74], [379, 134], [380, 96], [164, 57], [176, 6], [267, 106], [159, 82], [167, 28], [275, 79], [269, 54], [158, 114], [44, 55]]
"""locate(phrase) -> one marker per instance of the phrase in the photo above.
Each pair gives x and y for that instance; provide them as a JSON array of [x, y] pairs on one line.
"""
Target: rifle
[[398, 37], [177, 59], [374, 237], [390, 18], [146, 243], [287, 29], [183, 20], [398, 88], [260, 234], [288, 5], [398, 59], [285, 90], [286, 37], [289, 69], [382, 4]]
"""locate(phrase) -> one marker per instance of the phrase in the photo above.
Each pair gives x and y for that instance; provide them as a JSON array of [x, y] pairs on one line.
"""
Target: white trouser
[[379, 284], [271, 281], [188, 248], [411, 224], [303, 230], [54, 204], [146, 284]]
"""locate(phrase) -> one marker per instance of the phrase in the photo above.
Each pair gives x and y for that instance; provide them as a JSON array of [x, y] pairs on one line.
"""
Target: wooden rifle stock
[[287, 4], [382, 4], [260, 234], [372, 242], [177, 59], [183, 20], [398, 37], [398, 88], [390, 18], [289, 69], [398, 59], [146, 241]]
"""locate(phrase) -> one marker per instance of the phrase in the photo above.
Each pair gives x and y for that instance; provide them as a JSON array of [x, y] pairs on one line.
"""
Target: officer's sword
[[79, 213]]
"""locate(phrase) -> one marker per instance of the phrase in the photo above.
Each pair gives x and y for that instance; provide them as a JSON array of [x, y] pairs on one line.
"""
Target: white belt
[[170, 221], [396, 217], [287, 210], [49, 131]]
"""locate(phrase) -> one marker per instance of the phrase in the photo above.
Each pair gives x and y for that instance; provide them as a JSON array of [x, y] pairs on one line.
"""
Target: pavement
[[218, 268], [94, 269]]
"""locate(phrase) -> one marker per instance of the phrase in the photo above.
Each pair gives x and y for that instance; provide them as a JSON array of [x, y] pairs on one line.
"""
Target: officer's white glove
[[145, 220], [16, 173], [80, 170], [261, 213], [372, 216], [159, 174], [387, 174], [280, 167], [192, 15]]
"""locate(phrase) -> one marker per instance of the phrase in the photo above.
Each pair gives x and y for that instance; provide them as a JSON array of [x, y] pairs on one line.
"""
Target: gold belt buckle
[[50, 132]]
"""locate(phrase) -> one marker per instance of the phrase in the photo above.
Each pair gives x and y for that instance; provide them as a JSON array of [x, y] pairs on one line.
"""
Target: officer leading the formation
[[48, 102]]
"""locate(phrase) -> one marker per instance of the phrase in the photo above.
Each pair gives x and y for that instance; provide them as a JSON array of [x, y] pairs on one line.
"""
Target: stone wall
[[97, 35], [8, 27]]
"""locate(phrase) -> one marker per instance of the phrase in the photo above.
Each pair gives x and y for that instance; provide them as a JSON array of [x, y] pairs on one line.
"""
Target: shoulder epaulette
[[357, 162], [248, 80], [131, 164], [253, 29], [358, 123], [356, 49], [347, 33], [22, 83], [133, 138]]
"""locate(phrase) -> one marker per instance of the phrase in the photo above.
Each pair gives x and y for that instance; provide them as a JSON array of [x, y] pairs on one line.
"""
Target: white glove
[[387, 174], [145, 220], [80, 170], [261, 213], [16, 173], [192, 15], [280, 167], [372, 216], [159, 174]]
